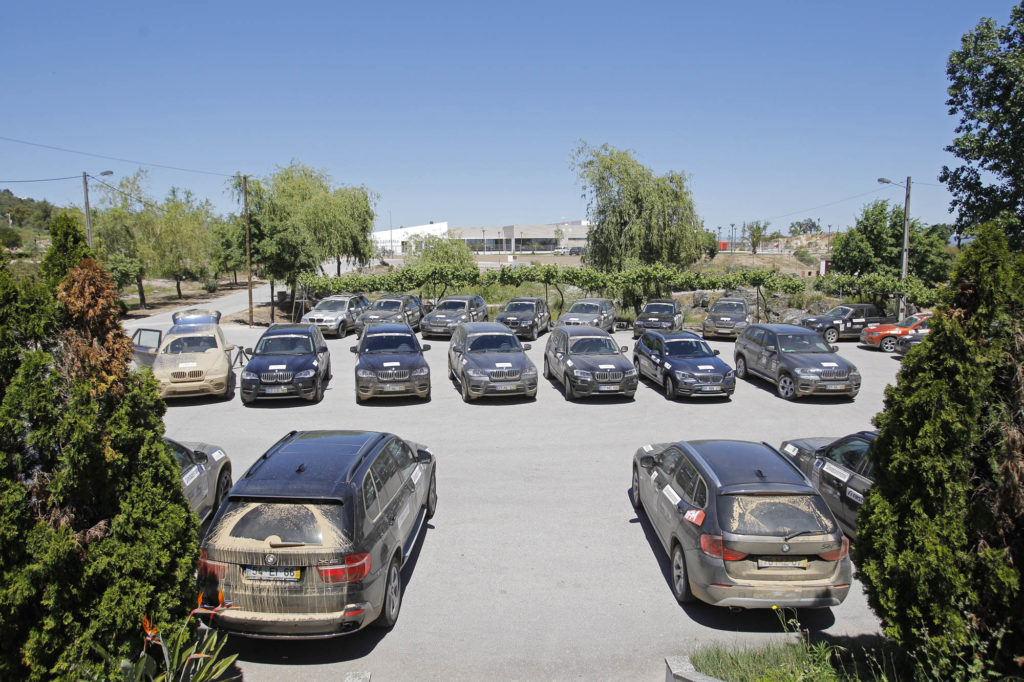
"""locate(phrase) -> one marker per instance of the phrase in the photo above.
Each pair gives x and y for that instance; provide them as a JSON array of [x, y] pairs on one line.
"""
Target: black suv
[[290, 360], [526, 316], [586, 362], [593, 312], [312, 539], [683, 365], [486, 358], [846, 321], [796, 360], [659, 314], [392, 308], [452, 310], [391, 363], [727, 317]]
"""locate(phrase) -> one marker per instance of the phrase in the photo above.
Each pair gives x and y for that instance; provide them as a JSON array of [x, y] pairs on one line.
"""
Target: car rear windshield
[[389, 343], [284, 345], [585, 308], [519, 307], [658, 309], [687, 348], [452, 305], [727, 307], [775, 515], [300, 523], [190, 344]]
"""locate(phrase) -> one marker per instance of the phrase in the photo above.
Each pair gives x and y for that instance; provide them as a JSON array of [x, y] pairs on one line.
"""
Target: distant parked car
[[742, 525], [594, 312], [311, 541], [392, 308], [575, 250], [205, 475], [659, 314], [586, 362], [337, 314], [391, 363], [683, 365], [846, 321], [193, 360], [526, 316], [561, 251], [905, 343], [487, 359], [289, 361], [727, 317], [839, 469], [884, 336], [796, 360], [451, 311]]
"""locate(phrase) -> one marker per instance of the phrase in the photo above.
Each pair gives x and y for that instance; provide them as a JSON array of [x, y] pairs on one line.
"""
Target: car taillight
[[356, 567], [211, 569], [712, 546], [839, 553]]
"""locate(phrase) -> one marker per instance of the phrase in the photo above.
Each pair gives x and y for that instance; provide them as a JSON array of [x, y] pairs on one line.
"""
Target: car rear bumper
[[711, 583], [263, 625]]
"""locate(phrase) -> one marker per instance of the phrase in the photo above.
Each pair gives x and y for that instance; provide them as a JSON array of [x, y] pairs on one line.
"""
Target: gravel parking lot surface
[[536, 565]]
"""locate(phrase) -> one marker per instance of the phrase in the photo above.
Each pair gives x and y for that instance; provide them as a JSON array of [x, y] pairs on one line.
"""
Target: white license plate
[[394, 387], [711, 388], [835, 387], [505, 387], [273, 573], [608, 388], [276, 389], [782, 563]]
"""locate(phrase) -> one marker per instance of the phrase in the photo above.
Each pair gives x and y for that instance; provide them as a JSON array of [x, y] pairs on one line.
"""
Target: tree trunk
[[234, 276], [338, 263], [177, 284], [273, 301], [142, 291]]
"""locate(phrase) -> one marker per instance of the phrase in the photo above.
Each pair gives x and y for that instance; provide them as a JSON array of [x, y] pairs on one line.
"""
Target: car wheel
[[888, 344], [432, 495], [247, 401], [786, 387], [636, 365], [831, 335], [466, 397], [531, 396], [533, 333], [426, 396], [741, 367], [670, 388], [229, 388], [318, 392], [680, 577], [547, 369], [634, 491], [392, 597], [451, 374], [329, 374], [223, 488], [567, 388], [550, 325]]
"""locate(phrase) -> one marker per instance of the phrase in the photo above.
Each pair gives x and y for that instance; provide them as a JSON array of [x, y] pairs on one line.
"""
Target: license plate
[[276, 389], [505, 387], [608, 388], [835, 387], [273, 573], [394, 387], [782, 563], [711, 388]]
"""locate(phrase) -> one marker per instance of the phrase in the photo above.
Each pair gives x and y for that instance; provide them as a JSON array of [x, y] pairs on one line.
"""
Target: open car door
[[147, 343]]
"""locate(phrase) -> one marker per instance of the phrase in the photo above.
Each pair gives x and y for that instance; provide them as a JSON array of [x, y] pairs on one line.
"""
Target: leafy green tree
[[229, 246], [986, 91], [636, 216], [940, 541], [95, 531], [756, 232], [441, 262], [67, 248], [709, 244], [9, 238], [184, 240], [340, 222], [126, 229], [805, 226], [852, 254]]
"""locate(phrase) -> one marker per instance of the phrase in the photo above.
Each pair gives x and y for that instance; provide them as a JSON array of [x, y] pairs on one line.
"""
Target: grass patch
[[772, 662]]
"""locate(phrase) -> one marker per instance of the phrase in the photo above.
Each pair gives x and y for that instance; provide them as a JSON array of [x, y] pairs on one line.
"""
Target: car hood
[[583, 318], [323, 315], [727, 317], [818, 320], [489, 361], [889, 329], [816, 361], [658, 317], [601, 363], [514, 316], [697, 365], [808, 445], [384, 361], [207, 361], [381, 315], [445, 316], [285, 363]]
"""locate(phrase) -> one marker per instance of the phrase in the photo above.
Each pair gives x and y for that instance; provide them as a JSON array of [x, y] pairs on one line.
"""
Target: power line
[[115, 158], [144, 202], [70, 177], [831, 203]]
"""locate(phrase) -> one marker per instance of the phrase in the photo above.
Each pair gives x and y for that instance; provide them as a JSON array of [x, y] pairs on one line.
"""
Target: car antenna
[[302, 467], [760, 474]]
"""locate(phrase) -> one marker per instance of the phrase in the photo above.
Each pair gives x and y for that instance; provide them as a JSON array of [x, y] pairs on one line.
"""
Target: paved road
[[535, 565]]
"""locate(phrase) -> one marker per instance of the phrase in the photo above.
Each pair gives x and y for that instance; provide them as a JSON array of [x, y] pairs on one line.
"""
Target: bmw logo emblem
[[785, 548], [271, 559]]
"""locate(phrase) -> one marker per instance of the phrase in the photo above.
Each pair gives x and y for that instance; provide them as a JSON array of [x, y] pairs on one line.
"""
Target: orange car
[[883, 336]]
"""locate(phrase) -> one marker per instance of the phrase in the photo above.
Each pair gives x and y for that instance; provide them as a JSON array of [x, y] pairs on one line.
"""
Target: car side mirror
[[354, 349], [426, 347], [527, 346], [201, 457], [322, 348], [423, 455], [229, 348], [770, 349], [559, 354], [834, 349], [623, 349], [457, 347], [647, 461], [717, 352], [248, 351]]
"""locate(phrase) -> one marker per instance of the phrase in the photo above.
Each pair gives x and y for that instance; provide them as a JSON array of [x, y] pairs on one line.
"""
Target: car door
[[857, 491], [147, 343], [193, 476], [856, 321], [688, 513], [833, 471], [543, 316], [555, 354], [643, 354], [323, 357], [455, 350], [662, 496], [481, 308], [407, 506], [748, 344], [607, 316], [385, 487]]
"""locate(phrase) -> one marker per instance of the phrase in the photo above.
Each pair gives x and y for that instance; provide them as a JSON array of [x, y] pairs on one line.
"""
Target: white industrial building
[[506, 239]]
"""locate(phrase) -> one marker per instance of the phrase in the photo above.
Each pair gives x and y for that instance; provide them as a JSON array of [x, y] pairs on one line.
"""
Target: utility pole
[[88, 213], [906, 251], [732, 237], [248, 252]]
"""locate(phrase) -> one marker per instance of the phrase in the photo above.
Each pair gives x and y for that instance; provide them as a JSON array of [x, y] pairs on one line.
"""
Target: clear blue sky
[[467, 112]]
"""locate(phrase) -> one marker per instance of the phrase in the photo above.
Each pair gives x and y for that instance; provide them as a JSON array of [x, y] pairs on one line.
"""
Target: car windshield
[[331, 305], [839, 311], [775, 515], [519, 307], [802, 343], [189, 344], [451, 305], [908, 322], [284, 345], [658, 308], [492, 343], [727, 307], [585, 308], [593, 345], [291, 523], [687, 348], [390, 304], [389, 343]]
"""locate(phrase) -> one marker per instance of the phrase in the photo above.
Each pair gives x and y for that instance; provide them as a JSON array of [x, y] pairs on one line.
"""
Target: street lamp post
[[483, 242], [88, 215], [906, 240]]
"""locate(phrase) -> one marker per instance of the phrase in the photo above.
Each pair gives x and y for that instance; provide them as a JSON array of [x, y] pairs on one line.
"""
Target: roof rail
[[263, 458]]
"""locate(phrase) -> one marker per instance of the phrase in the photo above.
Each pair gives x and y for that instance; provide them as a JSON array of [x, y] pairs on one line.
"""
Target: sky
[[468, 112]]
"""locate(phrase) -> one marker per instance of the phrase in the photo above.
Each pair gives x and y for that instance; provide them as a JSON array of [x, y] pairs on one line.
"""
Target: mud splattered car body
[[312, 539]]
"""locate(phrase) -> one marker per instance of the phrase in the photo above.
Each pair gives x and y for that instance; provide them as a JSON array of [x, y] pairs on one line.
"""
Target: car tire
[[466, 396], [223, 488], [741, 367], [567, 388], [392, 605], [329, 374], [680, 577], [831, 335], [547, 369], [670, 388], [636, 365], [634, 490], [247, 401], [531, 396], [451, 374], [533, 333], [426, 396], [318, 392], [888, 344], [229, 388], [431, 506], [786, 387]]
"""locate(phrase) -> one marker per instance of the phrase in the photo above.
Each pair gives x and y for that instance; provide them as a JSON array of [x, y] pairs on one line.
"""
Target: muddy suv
[[796, 360], [727, 317], [312, 539], [593, 312]]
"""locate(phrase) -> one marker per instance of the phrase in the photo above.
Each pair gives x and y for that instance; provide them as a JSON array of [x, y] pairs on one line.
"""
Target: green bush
[[210, 286]]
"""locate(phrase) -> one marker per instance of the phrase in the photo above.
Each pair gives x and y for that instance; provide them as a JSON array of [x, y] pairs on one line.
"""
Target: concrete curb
[[679, 668]]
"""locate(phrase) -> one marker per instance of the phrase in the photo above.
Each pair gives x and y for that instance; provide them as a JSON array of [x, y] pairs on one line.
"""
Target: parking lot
[[536, 565]]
